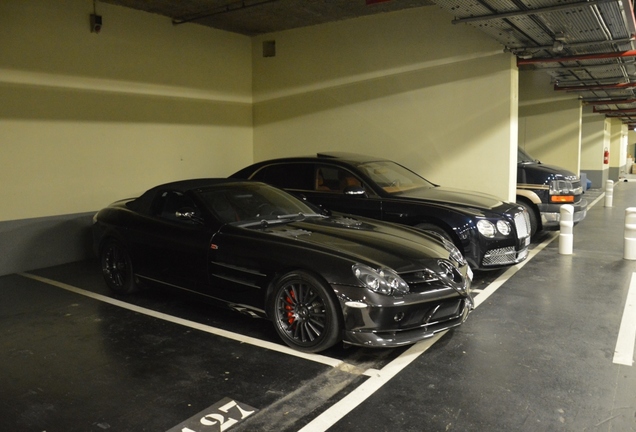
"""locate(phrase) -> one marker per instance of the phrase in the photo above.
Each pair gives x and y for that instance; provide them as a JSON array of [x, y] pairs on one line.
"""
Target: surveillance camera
[[96, 23]]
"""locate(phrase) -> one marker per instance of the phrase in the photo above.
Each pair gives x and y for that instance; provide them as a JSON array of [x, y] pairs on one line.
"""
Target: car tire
[[532, 215], [117, 268], [305, 312]]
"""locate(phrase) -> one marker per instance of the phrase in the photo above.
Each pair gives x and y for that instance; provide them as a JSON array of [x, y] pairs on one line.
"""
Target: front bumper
[[375, 320], [450, 314], [551, 214], [510, 251]]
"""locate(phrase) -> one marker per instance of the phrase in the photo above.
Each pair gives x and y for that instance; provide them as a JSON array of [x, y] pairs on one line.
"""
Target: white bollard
[[566, 238], [609, 193], [629, 250]]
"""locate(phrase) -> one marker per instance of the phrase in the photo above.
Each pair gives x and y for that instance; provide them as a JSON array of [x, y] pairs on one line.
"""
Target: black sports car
[[320, 279], [489, 232]]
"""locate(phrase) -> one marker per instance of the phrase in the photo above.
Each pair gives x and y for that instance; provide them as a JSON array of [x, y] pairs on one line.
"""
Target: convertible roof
[[186, 185], [143, 203], [351, 157]]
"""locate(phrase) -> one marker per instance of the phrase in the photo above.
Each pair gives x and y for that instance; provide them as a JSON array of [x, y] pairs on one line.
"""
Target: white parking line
[[370, 386], [343, 407], [208, 329], [624, 352], [497, 283], [377, 378]]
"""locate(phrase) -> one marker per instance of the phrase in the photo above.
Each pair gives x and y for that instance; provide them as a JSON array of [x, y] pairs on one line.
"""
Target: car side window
[[334, 179], [170, 204], [288, 176]]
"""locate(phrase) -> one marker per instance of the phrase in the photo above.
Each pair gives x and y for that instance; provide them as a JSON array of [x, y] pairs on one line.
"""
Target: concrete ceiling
[[586, 46], [253, 17]]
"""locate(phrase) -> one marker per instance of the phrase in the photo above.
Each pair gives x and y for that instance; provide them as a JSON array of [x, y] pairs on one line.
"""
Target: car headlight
[[563, 191], [489, 229], [383, 281], [561, 187], [486, 228], [503, 227]]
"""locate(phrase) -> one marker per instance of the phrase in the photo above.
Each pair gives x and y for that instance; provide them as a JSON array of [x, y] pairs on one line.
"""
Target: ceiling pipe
[[628, 15], [592, 81], [608, 101], [596, 87], [599, 56], [571, 45], [531, 11], [230, 7], [627, 116], [619, 111]]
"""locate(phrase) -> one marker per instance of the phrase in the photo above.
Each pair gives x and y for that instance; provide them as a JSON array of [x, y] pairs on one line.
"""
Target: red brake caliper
[[289, 308]]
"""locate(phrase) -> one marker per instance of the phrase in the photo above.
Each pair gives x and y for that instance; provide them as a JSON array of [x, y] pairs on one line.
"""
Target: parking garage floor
[[541, 352]]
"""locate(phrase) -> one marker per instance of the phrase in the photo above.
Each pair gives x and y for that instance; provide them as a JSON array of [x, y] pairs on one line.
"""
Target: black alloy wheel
[[117, 268], [305, 313]]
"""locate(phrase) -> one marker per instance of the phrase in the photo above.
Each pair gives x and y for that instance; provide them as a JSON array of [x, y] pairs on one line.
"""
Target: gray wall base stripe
[[29, 244]]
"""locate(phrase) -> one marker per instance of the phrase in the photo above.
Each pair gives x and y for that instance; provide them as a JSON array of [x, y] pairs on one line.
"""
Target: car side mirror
[[188, 214], [354, 190]]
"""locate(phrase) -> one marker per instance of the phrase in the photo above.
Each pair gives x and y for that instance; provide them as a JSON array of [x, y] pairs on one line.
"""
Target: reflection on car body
[[252, 247], [489, 232]]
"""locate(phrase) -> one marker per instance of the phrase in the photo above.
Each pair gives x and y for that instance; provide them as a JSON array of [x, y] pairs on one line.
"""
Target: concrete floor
[[536, 355]]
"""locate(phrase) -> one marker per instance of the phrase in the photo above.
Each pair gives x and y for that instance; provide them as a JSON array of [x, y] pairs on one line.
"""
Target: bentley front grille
[[502, 256], [522, 223]]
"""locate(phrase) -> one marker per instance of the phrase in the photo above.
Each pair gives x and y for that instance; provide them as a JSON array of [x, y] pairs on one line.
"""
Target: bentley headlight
[[486, 228], [503, 227], [383, 281]]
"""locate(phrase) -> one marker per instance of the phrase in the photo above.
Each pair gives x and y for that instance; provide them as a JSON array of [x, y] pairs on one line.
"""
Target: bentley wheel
[[117, 268], [305, 313]]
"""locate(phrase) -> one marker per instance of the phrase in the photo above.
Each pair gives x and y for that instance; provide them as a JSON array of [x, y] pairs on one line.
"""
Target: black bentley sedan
[[489, 232], [255, 248]]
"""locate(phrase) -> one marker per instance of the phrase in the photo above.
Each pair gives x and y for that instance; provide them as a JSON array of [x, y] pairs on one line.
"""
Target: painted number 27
[[223, 419]]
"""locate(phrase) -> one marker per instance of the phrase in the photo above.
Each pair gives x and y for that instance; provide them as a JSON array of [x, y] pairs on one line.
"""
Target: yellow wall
[[549, 122], [89, 118], [408, 86], [631, 143], [618, 143], [596, 137]]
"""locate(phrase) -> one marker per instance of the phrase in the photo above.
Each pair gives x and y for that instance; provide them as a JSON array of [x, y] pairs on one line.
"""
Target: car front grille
[[446, 272], [502, 256], [522, 223]]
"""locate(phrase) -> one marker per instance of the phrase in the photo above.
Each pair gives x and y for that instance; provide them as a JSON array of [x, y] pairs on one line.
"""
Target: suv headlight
[[383, 281], [562, 191]]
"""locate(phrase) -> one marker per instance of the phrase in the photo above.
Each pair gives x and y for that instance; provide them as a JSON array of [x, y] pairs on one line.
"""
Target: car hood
[[363, 240], [541, 173], [459, 197]]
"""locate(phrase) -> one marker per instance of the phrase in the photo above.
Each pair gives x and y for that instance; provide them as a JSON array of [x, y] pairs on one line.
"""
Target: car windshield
[[248, 204], [523, 157], [394, 178]]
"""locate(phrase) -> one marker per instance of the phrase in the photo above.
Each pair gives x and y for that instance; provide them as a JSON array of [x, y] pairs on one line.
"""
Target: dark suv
[[490, 233], [543, 189]]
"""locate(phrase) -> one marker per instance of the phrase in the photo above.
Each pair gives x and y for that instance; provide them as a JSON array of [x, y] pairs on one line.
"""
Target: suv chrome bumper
[[551, 214]]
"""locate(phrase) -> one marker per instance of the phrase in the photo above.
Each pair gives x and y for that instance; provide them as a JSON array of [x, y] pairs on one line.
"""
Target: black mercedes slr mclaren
[[322, 279]]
